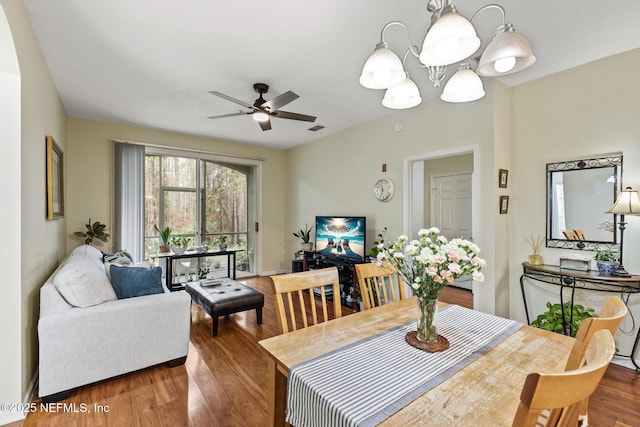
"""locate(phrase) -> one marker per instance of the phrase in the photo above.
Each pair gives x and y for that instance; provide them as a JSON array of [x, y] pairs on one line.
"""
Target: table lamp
[[627, 203]]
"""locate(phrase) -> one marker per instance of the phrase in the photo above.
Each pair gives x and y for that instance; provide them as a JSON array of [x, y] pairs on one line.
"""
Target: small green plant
[[165, 234], [607, 255], [222, 240], [180, 242], [94, 231], [304, 234], [375, 246], [552, 319]]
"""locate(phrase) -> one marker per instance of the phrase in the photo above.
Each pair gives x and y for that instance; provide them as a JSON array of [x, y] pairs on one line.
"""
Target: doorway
[[452, 206]]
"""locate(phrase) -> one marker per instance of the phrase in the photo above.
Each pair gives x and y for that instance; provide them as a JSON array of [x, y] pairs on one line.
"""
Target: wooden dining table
[[484, 393]]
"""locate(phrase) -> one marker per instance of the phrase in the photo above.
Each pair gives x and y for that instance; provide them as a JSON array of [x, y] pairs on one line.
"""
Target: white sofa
[[89, 335]]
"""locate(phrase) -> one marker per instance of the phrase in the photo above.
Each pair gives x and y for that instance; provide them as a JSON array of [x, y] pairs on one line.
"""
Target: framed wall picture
[[503, 174], [504, 204], [55, 183]]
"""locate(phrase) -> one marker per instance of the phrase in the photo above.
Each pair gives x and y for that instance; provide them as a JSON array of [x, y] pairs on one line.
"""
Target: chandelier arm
[[491, 6], [412, 48]]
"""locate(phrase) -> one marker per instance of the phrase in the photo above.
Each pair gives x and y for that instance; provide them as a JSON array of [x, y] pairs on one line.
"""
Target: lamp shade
[[463, 86], [627, 203], [508, 52], [383, 69], [450, 39], [403, 95]]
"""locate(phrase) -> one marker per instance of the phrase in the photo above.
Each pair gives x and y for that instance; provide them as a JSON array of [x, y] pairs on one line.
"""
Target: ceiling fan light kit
[[451, 38], [262, 110]]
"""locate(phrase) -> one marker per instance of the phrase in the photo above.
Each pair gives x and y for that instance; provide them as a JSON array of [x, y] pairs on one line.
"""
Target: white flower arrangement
[[432, 262]]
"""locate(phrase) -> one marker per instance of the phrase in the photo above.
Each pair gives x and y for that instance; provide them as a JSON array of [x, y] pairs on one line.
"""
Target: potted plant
[[305, 236], [179, 244], [222, 242], [553, 320], [93, 231], [377, 244], [606, 260], [165, 235]]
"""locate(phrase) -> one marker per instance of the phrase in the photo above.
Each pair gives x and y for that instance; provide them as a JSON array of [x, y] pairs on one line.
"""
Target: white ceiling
[[151, 63]]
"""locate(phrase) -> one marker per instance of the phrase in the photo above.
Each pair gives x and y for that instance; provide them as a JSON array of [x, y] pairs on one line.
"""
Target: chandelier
[[450, 39]]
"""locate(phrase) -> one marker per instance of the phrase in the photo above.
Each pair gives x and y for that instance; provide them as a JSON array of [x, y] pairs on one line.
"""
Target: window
[[201, 199]]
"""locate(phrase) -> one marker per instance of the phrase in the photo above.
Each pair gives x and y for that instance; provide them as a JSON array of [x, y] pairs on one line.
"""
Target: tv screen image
[[341, 236]]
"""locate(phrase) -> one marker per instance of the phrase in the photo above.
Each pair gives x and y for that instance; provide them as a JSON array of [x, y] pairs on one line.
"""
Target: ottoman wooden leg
[[214, 328], [259, 315]]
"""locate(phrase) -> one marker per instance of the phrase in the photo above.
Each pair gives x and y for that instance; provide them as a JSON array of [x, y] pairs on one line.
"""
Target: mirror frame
[[614, 161]]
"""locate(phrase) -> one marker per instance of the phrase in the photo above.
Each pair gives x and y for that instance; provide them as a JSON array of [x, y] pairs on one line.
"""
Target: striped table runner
[[365, 382]]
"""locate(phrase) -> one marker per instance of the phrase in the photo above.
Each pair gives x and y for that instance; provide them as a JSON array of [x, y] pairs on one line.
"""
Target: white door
[[451, 205], [451, 210]]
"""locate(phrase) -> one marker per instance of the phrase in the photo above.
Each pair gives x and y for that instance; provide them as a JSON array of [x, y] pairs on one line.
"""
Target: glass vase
[[427, 310], [535, 259]]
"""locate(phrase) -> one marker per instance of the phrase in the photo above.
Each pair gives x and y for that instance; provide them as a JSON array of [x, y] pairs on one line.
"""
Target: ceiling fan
[[262, 110]]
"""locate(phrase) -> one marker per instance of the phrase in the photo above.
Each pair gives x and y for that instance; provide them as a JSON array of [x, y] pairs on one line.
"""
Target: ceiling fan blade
[[266, 125], [280, 101], [294, 116], [229, 98], [241, 113]]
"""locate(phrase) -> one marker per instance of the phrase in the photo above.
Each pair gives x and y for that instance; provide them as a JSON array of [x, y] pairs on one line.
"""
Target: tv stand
[[346, 271]]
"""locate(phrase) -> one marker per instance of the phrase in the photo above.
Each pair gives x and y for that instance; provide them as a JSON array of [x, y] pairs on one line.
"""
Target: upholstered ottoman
[[226, 298]]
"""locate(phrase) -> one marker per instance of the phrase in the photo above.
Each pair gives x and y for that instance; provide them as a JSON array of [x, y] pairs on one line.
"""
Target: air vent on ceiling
[[316, 128]]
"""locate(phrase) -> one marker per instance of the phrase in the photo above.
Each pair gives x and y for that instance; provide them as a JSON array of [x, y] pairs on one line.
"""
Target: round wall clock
[[383, 189]]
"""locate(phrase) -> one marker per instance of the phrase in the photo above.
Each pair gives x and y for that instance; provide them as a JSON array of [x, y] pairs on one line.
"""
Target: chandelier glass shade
[[383, 69], [450, 39], [463, 86], [508, 53], [403, 95]]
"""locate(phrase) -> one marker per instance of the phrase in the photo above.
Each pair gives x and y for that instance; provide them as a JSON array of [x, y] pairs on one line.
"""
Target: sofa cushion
[[131, 282], [82, 281]]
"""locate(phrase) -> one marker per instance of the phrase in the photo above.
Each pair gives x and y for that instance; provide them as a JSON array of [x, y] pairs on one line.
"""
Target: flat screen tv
[[341, 237]]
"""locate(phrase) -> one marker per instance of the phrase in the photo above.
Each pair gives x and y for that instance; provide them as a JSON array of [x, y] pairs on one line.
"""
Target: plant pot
[[606, 267], [164, 249], [222, 246], [178, 250], [306, 246]]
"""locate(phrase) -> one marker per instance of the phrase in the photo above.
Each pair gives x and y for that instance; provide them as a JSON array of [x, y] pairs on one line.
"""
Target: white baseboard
[[623, 361], [11, 417]]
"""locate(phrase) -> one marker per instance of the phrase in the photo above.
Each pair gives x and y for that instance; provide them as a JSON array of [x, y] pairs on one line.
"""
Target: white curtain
[[128, 228]]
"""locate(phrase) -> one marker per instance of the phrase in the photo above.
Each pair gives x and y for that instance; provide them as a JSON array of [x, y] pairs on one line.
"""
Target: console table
[[169, 257], [576, 279]]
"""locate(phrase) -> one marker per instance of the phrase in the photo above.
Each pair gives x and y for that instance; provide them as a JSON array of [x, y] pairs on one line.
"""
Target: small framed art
[[503, 174], [504, 204], [55, 183]]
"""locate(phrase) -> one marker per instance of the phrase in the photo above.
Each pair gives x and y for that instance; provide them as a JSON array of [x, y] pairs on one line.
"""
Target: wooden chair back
[[298, 294], [610, 317], [379, 284], [563, 393]]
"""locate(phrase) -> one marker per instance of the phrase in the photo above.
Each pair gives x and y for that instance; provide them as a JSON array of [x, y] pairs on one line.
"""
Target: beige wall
[[335, 175], [583, 112], [40, 244], [90, 178]]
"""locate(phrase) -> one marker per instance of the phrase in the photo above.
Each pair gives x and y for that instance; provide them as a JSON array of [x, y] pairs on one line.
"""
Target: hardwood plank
[[224, 381]]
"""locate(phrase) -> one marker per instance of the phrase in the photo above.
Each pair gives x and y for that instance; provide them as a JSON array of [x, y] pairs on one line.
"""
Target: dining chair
[[563, 393], [610, 317], [611, 314], [303, 291], [379, 284]]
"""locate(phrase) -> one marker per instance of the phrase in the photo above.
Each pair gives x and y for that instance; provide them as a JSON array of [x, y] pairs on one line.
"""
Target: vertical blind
[[128, 228]]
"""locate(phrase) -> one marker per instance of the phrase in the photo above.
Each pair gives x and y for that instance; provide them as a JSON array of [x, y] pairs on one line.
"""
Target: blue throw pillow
[[131, 282]]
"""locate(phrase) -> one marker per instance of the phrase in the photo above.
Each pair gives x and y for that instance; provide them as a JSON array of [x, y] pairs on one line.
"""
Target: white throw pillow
[[82, 282]]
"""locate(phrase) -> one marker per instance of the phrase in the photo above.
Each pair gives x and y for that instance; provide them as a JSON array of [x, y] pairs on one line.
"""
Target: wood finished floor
[[223, 382]]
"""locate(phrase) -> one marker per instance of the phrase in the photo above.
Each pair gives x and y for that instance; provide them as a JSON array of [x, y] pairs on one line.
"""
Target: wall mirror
[[578, 194]]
